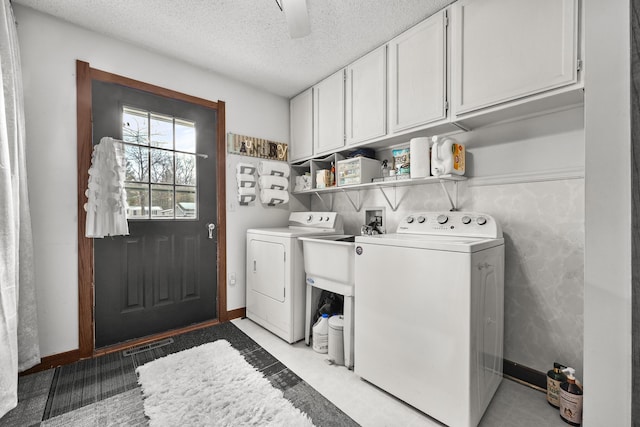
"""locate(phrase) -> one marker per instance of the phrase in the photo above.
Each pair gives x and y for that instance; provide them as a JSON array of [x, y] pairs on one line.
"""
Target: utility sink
[[329, 258], [329, 263]]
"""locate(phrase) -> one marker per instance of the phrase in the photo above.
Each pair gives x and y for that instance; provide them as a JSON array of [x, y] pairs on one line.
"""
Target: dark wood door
[[162, 275]]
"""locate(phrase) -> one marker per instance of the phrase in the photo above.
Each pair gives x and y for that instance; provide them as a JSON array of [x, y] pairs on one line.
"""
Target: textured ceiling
[[248, 39]]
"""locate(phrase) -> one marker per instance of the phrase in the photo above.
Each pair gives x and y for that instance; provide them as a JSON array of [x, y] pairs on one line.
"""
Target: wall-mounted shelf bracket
[[326, 208], [396, 202], [453, 201], [356, 207]]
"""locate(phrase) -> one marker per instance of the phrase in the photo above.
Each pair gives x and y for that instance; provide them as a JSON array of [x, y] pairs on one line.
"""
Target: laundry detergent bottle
[[320, 333], [447, 157]]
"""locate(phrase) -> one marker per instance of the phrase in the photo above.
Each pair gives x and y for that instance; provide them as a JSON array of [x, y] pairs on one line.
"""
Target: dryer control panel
[[467, 224], [322, 220]]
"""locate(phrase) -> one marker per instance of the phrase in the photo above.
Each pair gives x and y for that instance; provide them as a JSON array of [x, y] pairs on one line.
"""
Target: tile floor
[[513, 405]]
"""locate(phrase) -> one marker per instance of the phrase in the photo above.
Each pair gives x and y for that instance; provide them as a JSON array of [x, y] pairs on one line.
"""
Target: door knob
[[211, 226]]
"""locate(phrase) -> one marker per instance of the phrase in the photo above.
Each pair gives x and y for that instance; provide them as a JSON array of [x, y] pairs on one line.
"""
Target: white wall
[[49, 49], [551, 145], [607, 287]]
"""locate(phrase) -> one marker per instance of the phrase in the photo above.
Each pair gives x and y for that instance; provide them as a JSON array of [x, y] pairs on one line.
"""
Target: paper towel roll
[[420, 158]]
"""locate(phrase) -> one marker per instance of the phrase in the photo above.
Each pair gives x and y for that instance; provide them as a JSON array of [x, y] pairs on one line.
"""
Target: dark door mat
[[68, 388]]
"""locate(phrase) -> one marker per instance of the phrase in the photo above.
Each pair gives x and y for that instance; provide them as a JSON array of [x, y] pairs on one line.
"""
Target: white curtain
[[19, 349]]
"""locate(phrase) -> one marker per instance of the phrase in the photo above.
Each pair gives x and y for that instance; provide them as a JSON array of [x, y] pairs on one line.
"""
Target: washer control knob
[[409, 219], [466, 220], [442, 219], [421, 219], [481, 220]]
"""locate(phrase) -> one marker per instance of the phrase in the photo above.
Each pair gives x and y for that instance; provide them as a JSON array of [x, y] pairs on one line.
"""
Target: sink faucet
[[365, 230], [370, 229]]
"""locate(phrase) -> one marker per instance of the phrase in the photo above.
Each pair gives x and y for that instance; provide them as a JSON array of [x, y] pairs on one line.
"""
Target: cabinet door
[[328, 109], [366, 97], [301, 118], [508, 49], [417, 74], [266, 269]]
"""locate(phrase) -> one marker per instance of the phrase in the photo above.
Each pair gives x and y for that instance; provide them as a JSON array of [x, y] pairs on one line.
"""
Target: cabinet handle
[[484, 265], [350, 112], [254, 265]]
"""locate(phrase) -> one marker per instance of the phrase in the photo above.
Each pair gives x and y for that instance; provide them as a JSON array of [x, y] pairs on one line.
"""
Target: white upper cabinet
[[301, 125], [366, 100], [417, 75], [328, 110], [503, 50]]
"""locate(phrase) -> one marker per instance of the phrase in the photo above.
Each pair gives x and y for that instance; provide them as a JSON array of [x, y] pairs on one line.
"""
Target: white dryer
[[429, 313], [275, 272]]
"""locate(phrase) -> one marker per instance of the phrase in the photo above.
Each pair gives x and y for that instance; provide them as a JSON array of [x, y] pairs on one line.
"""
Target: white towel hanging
[[245, 180], [106, 205], [246, 195], [273, 182], [274, 197], [267, 167], [245, 168]]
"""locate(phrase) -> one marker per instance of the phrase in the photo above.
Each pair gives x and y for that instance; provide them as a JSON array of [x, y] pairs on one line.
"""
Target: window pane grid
[[161, 180]]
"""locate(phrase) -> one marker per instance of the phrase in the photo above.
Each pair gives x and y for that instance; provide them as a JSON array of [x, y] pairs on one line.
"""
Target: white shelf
[[394, 183], [388, 184]]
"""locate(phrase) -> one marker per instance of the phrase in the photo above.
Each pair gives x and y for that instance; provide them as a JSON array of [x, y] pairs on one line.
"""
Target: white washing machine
[[275, 272], [429, 313]]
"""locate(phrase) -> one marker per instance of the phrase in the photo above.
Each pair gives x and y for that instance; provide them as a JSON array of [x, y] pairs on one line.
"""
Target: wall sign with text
[[256, 147]]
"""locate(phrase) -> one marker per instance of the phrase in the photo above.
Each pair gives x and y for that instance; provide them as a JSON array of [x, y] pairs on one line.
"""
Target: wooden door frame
[[84, 75]]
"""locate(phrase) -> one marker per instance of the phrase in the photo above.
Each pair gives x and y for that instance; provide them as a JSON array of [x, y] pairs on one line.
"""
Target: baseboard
[[69, 357], [54, 361], [525, 375], [237, 313]]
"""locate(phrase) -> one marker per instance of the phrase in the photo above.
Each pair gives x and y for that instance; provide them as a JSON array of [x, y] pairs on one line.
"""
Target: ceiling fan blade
[[297, 17]]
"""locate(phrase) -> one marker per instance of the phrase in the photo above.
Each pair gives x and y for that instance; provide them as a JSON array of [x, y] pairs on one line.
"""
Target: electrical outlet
[[232, 279]]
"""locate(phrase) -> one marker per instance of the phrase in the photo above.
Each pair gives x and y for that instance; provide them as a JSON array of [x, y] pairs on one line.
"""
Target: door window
[[160, 152]]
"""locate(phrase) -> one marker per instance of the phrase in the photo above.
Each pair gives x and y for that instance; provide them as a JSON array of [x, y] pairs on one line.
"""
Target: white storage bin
[[358, 170]]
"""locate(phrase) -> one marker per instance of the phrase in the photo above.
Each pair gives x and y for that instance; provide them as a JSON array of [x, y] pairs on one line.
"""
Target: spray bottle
[[555, 377], [571, 399]]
